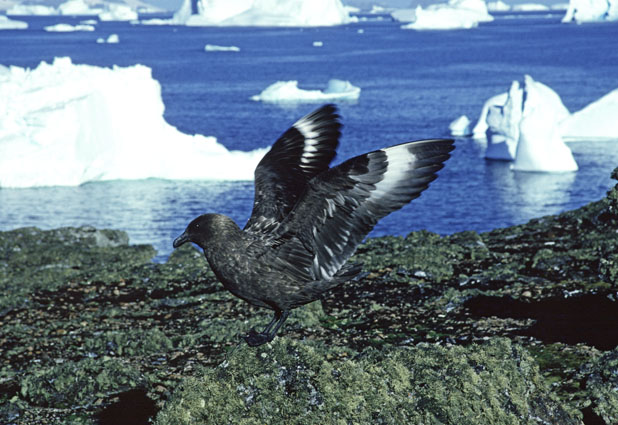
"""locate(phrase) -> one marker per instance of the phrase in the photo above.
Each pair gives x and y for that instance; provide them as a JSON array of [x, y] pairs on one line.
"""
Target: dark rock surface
[[517, 325]]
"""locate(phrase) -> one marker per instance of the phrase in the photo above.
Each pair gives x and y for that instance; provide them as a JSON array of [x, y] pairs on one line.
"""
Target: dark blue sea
[[413, 85]]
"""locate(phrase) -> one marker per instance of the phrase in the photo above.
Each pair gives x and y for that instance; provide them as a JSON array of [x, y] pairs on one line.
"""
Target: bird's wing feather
[[302, 152], [343, 204]]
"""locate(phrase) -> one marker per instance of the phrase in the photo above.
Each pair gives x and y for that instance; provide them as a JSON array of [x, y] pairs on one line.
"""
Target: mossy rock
[[33, 259], [79, 383], [290, 382]]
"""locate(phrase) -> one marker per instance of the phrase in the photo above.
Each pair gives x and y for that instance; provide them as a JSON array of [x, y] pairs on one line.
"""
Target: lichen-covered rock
[[602, 385], [290, 382]]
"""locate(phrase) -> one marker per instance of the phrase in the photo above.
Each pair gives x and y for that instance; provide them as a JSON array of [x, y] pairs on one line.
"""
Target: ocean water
[[413, 85]]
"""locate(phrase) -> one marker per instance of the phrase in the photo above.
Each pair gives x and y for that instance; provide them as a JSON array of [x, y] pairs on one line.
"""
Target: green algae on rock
[[290, 382]]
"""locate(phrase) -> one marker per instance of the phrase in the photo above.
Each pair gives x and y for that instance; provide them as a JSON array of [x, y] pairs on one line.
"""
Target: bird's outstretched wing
[[343, 204], [302, 152]]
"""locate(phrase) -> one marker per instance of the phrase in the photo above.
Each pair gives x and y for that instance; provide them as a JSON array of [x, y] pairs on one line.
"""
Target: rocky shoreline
[[513, 326]]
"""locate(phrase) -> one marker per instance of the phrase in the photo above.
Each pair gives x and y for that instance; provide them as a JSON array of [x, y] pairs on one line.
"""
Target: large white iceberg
[[66, 124], [526, 129], [300, 13], [31, 9], [591, 11], [11, 24], [597, 121], [456, 14], [288, 91]]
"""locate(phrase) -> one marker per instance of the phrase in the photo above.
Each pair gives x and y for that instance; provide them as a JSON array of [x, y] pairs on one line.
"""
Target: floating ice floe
[[530, 7], [262, 13], [215, 48], [456, 14], [288, 91], [66, 124], [460, 127], [526, 129], [597, 121], [112, 39], [11, 24], [591, 11], [68, 28]]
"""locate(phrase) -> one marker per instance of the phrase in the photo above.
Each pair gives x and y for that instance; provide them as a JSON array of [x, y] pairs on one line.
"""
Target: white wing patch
[[399, 162], [307, 129]]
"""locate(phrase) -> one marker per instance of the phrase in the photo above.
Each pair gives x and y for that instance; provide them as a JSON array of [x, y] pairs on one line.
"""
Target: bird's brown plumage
[[307, 218]]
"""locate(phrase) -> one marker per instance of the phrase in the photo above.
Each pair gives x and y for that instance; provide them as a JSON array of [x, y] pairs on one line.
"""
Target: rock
[[294, 382]]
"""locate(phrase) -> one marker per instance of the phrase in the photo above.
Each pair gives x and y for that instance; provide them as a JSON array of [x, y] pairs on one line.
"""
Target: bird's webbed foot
[[255, 339]]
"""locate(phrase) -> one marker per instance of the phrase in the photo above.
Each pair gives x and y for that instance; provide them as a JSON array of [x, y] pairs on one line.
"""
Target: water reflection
[[524, 195]]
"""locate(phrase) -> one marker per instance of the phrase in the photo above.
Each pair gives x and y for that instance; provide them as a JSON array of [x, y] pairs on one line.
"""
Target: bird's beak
[[181, 239]]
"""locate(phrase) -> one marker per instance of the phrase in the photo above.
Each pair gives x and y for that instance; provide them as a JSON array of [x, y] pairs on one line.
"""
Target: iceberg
[[404, 15], [112, 39], [498, 6], [215, 48], [456, 14], [597, 121], [262, 13], [526, 129], [117, 12], [68, 28], [31, 9], [480, 129], [288, 91], [460, 127], [580, 11], [77, 7], [503, 125], [66, 124], [11, 24]]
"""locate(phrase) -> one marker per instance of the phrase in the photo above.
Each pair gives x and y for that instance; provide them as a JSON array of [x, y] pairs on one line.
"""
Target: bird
[[308, 218]]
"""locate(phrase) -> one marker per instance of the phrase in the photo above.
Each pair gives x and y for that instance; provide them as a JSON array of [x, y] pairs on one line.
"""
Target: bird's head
[[198, 231]]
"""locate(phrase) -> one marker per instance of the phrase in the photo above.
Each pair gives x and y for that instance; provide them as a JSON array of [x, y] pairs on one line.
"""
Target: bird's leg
[[254, 338]]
